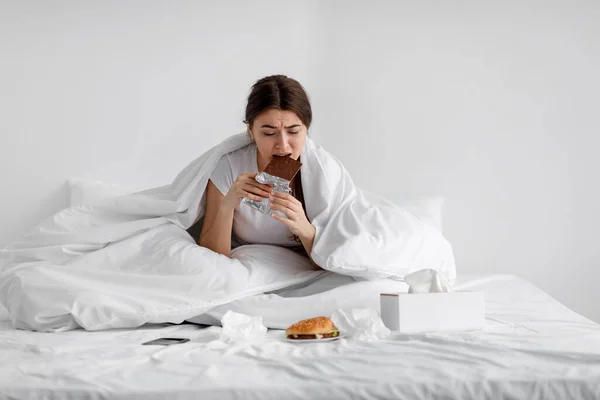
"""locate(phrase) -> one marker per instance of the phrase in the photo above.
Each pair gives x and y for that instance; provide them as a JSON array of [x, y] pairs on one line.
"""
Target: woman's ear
[[250, 133]]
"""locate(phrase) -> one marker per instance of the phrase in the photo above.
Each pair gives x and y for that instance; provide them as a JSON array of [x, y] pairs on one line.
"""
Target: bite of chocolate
[[284, 167]]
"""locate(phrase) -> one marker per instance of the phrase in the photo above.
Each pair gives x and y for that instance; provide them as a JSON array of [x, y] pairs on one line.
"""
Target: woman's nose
[[282, 140]]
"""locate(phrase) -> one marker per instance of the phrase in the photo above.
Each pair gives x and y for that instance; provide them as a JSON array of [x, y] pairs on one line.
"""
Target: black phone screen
[[166, 341]]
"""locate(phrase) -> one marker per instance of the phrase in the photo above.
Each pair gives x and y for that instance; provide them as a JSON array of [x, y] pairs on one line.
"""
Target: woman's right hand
[[246, 186]]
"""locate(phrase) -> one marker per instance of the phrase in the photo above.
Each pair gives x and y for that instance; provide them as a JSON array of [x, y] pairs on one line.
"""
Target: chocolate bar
[[284, 167]]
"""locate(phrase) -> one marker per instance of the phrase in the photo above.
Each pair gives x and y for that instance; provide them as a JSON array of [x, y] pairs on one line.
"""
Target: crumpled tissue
[[427, 281], [240, 327], [360, 323]]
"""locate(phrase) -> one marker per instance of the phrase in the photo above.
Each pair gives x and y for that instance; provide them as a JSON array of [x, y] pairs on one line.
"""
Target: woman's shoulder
[[243, 153], [236, 162]]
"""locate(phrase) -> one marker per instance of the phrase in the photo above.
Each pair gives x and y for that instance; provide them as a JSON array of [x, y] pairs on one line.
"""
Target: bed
[[532, 347]]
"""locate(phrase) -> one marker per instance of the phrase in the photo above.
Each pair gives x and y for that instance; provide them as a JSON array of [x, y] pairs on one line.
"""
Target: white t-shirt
[[249, 225]]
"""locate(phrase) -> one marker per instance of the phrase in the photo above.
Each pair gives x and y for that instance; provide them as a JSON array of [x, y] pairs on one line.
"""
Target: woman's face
[[277, 133]]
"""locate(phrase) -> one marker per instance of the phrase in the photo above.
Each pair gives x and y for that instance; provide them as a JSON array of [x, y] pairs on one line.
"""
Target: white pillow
[[88, 192]]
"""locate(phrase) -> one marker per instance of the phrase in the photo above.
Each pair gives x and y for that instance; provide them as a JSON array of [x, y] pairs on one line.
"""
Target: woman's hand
[[246, 186], [296, 219]]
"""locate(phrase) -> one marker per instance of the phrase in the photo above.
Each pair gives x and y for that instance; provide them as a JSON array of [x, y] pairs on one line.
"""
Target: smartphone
[[166, 341]]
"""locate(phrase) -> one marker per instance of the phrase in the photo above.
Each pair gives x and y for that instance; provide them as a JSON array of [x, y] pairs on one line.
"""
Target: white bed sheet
[[532, 347]]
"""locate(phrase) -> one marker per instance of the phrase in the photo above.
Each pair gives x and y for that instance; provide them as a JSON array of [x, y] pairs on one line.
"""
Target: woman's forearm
[[308, 240], [218, 235]]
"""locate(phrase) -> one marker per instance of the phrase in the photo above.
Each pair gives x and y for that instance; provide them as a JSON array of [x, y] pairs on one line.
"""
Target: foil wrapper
[[279, 185]]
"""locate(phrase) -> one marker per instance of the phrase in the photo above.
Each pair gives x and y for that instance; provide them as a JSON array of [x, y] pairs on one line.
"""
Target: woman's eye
[[274, 133]]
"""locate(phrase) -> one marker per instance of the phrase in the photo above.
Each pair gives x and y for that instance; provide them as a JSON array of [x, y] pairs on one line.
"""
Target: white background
[[492, 104]]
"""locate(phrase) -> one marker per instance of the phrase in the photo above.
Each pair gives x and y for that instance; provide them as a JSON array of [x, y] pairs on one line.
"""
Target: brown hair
[[281, 93]]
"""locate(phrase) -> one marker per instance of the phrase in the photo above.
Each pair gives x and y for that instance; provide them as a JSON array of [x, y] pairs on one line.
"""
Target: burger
[[312, 328]]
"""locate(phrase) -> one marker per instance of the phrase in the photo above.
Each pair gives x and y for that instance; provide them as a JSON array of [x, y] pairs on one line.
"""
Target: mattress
[[532, 347]]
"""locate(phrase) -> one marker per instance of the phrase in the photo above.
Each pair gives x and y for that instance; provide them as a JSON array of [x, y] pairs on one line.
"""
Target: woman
[[278, 115], [352, 235]]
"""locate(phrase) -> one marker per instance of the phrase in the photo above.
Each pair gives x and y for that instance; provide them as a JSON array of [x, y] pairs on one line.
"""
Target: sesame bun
[[313, 328]]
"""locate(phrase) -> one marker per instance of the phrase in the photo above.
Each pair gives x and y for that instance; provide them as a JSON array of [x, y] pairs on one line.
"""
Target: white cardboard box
[[433, 312]]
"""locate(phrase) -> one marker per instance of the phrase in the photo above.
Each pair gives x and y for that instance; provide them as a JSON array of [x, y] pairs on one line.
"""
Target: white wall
[[490, 105], [494, 106], [129, 92]]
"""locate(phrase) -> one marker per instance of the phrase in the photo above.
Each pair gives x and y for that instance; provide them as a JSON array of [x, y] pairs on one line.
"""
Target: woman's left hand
[[296, 219]]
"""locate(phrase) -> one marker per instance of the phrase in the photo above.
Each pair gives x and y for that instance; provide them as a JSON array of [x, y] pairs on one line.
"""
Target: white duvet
[[128, 261]]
